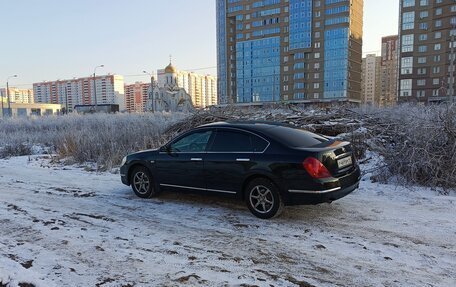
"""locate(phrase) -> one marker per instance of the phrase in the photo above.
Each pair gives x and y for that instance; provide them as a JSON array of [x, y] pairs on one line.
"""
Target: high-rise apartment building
[[20, 96], [109, 89], [136, 96], [289, 50], [389, 67], [201, 88], [426, 29], [371, 80]]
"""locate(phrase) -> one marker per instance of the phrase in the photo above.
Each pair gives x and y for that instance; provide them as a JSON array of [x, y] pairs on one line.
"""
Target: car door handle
[[243, 159], [196, 159]]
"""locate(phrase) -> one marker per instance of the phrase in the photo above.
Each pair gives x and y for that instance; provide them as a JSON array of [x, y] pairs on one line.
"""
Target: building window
[[420, 94], [299, 76], [408, 20], [299, 86], [406, 65], [406, 88], [407, 43], [408, 3], [422, 60], [424, 14], [437, 47], [424, 2], [424, 26]]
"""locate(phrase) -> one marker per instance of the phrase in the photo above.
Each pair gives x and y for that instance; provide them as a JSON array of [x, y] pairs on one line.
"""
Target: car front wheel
[[142, 182], [263, 198]]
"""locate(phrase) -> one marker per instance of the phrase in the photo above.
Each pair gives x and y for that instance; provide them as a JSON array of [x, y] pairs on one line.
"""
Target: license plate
[[344, 162]]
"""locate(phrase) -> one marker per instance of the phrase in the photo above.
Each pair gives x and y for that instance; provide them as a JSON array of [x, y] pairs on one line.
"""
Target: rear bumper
[[310, 197], [329, 191]]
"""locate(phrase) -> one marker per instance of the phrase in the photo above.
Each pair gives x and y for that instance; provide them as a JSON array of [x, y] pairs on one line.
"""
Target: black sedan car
[[268, 165]]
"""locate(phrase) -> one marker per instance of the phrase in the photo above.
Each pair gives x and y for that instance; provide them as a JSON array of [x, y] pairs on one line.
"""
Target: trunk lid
[[337, 156]]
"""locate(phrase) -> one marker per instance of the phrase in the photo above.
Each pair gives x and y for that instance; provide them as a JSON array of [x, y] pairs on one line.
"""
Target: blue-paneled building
[[289, 50]]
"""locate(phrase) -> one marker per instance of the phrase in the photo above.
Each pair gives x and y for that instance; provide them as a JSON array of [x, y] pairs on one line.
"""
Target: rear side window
[[295, 137], [259, 144], [231, 141]]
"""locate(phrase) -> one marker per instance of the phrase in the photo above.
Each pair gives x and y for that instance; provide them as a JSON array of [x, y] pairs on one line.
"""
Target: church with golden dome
[[201, 88]]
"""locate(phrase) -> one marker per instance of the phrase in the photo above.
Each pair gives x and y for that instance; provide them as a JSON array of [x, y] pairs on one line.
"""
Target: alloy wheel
[[261, 199], [141, 182]]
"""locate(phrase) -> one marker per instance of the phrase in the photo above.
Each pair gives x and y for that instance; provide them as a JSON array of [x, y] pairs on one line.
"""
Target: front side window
[[194, 142]]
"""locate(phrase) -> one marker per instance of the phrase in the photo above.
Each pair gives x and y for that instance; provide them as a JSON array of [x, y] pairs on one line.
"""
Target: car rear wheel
[[263, 198], [142, 182]]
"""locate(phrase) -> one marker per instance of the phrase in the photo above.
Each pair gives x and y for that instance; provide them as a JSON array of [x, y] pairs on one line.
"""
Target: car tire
[[142, 183], [263, 198]]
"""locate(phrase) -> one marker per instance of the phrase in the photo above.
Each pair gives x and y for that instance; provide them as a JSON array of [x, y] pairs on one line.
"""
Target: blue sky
[[55, 39]]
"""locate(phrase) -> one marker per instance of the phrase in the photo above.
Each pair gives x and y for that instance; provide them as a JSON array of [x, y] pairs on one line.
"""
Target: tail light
[[315, 168]]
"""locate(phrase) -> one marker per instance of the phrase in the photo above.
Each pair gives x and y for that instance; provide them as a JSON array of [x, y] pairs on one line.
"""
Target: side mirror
[[164, 148]]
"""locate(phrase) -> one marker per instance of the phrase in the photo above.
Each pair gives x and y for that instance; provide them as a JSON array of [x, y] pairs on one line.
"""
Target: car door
[[180, 164], [229, 157]]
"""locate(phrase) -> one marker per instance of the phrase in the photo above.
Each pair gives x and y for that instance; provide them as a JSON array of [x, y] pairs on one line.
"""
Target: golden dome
[[170, 69]]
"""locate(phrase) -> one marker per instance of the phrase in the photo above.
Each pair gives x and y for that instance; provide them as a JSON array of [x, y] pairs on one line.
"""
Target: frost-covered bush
[[418, 143], [100, 138]]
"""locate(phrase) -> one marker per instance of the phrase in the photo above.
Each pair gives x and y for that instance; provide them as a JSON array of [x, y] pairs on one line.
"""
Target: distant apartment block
[[371, 80], [136, 96], [109, 89], [201, 88], [20, 96], [426, 29], [289, 50], [389, 70]]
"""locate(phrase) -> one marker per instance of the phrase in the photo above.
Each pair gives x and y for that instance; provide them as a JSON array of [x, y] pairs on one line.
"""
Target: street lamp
[[273, 80], [151, 95], [8, 96], [95, 85]]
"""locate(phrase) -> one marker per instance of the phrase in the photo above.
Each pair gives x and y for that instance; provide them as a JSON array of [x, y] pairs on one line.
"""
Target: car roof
[[247, 125]]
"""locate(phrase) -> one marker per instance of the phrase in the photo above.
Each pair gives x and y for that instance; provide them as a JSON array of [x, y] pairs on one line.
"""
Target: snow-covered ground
[[63, 226]]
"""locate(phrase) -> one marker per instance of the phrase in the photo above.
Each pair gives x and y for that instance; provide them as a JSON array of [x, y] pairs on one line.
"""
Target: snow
[[63, 226]]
